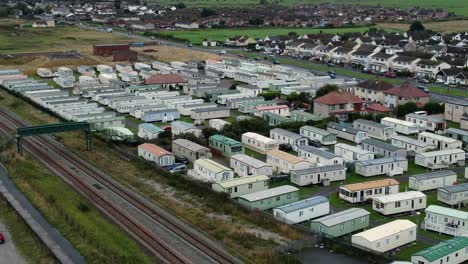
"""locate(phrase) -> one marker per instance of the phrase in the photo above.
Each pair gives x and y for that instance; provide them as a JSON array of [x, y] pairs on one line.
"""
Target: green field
[[459, 7], [197, 36]]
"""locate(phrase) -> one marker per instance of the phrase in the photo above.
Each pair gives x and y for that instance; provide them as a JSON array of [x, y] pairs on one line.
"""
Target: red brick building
[[338, 104], [167, 80], [108, 49]]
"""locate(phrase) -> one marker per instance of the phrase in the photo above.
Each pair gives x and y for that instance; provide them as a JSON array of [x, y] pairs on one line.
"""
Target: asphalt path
[[8, 251]]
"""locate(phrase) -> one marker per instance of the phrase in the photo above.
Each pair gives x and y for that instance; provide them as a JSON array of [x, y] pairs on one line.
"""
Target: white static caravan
[[440, 159], [217, 124], [432, 180], [446, 221], [428, 123], [44, 73], [101, 68], [319, 157], [352, 153], [314, 133], [383, 166], [186, 109], [65, 71], [180, 127], [440, 142], [374, 129], [317, 175], [361, 192], [200, 115], [411, 145], [386, 237], [284, 162], [453, 195], [224, 98], [284, 136], [347, 131], [259, 142], [242, 186], [210, 171], [400, 126], [383, 149], [303, 210], [148, 131], [245, 166], [399, 202]]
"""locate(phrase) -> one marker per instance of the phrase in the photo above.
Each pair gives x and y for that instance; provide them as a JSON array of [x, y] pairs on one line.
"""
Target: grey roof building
[[382, 148]]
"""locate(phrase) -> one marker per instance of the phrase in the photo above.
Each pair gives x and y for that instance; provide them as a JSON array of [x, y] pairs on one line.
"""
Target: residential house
[[314, 133], [364, 191], [156, 154], [403, 94], [180, 127], [411, 145], [352, 153], [458, 134], [210, 171], [271, 198], [371, 90], [148, 131], [242, 186], [446, 221], [453, 195], [386, 237], [284, 136], [382, 148], [454, 250], [427, 123], [383, 166], [190, 150], [284, 162], [316, 175], [440, 159], [374, 129], [400, 126], [432, 180], [258, 142], [319, 157], [381, 62], [341, 223], [303, 210], [398, 203], [429, 68], [347, 132], [225, 146], [455, 109], [440, 142], [405, 64], [338, 104], [246, 166]]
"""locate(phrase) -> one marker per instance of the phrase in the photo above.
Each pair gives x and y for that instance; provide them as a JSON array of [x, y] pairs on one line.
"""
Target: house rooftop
[[225, 140], [153, 149], [401, 196], [285, 156], [341, 217], [242, 181], [344, 127], [286, 133], [261, 195], [319, 169], [441, 152], [381, 144], [370, 123], [334, 98], [407, 90], [443, 249], [375, 85], [380, 161], [259, 137], [299, 205], [165, 79], [319, 152], [151, 128], [212, 165], [436, 209], [370, 184], [454, 188], [433, 175], [386, 230], [249, 160], [189, 144]]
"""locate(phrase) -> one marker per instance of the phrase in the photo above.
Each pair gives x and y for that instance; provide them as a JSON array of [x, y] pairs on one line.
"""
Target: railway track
[[49, 152]]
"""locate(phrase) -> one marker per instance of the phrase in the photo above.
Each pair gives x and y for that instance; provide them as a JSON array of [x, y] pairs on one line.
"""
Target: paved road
[[8, 252], [50, 236]]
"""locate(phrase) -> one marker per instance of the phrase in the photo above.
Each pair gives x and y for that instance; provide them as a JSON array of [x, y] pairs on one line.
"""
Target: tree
[[417, 26], [270, 95], [180, 6], [206, 12], [402, 110], [293, 34], [237, 128], [325, 90], [433, 108], [263, 2], [207, 132], [256, 21]]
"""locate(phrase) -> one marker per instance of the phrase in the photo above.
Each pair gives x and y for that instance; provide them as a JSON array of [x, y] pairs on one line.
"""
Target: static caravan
[[399, 202], [319, 157], [64, 71], [383, 166], [386, 237], [275, 119], [245, 166], [454, 251], [242, 186], [411, 145], [258, 142], [180, 127], [303, 210], [361, 192], [157, 154], [427, 123], [148, 131], [374, 129], [200, 115], [446, 221], [318, 134], [218, 124], [225, 146], [190, 150], [440, 142], [210, 171], [302, 116], [352, 153], [224, 98], [341, 223], [250, 107], [282, 110], [161, 115], [347, 132], [432, 180], [440, 159], [317, 175], [284, 162], [458, 134], [453, 195], [271, 198], [186, 109], [382, 148], [284, 136], [236, 102], [44, 73], [401, 126]]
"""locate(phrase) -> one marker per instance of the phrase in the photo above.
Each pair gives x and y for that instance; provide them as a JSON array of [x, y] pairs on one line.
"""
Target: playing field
[[197, 36], [444, 26], [459, 7]]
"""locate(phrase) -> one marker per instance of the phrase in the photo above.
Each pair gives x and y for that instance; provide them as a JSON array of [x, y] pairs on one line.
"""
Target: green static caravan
[[242, 186], [271, 198], [212, 95], [341, 223], [148, 87], [454, 250], [225, 146], [275, 119], [249, 107], [301, 116]]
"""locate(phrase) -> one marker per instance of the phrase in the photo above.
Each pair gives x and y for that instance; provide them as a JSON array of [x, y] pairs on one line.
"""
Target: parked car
[[222, 52], [422, 80], [424, 88], [390, 74], [2, 238], [332, 74], [368, 71], [176, 168], [181, 159], [315, 143], [285, 147], [329, 64], [190, 45]]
